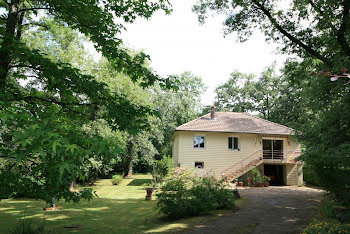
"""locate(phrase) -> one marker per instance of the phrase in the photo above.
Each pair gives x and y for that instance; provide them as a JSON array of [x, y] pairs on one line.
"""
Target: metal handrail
[[245, 161], [257, 155]]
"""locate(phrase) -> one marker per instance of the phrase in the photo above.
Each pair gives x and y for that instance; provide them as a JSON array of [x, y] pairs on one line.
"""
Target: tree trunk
[[130, 156], [8, 42], [71, 187]]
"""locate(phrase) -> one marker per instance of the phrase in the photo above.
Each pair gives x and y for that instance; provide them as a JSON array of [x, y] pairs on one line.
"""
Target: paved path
[[268, 210]]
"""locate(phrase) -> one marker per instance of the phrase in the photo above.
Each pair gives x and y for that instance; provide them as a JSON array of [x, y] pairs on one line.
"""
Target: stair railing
[[257, 155]]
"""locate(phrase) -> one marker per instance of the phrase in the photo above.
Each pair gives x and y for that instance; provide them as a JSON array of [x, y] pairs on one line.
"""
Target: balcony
[[273, 154], [279, 155]]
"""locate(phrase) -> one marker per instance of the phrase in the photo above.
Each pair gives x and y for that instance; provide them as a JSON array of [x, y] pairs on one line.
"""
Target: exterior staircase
[[243, 166]]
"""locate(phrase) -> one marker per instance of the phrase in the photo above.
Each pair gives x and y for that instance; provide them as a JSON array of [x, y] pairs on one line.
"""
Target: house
[[230, 144]]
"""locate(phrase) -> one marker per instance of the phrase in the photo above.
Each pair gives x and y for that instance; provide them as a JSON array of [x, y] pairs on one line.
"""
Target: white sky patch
[[177, 43]]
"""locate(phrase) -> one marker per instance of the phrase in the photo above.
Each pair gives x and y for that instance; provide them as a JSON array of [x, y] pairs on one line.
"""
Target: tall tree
[[176, 107], [318, 32], [313, 28], [46, 100], [246, 93]]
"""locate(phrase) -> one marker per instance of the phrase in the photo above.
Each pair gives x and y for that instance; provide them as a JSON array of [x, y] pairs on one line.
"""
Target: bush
[[161, 168], [257, 178], [185, 194], [116, 179], [323, 227]]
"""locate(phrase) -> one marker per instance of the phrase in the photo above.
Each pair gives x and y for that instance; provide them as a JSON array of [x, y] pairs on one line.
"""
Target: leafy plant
[[161, 168], [116, 179], [257, 178], [266, 179], [324, 227], [186, 195]]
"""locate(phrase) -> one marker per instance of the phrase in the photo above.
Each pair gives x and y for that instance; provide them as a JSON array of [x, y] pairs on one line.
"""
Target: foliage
[[176, 107], [266, 179], [317, 29], [185, 195], [116, 179], [257, 178], [325, 227], [161, 168], [50, 92], [318, 33], [244, 93]]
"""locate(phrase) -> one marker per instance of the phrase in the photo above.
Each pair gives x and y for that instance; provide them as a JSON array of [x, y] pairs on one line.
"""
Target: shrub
[[161, 168], [187, 195], [322, 228], [257, 178], [116, 179]]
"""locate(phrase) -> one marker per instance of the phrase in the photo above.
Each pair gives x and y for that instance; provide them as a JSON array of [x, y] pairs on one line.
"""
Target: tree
[[176, 107], [314, 28], [318, 32], [46, 101], [244, 93]]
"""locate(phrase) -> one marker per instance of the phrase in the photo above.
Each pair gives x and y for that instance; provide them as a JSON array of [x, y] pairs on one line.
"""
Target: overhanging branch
[[34, 8], [292, 38]]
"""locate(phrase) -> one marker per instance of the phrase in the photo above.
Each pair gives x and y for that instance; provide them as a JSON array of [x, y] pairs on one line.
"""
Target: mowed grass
[[119, 209]]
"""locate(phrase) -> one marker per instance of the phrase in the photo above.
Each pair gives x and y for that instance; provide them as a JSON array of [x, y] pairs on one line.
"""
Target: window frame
[[238, 143], [199, 162], [205, 142]]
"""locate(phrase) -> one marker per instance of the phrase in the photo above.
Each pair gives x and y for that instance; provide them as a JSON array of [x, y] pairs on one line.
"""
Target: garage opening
[[276, 173]]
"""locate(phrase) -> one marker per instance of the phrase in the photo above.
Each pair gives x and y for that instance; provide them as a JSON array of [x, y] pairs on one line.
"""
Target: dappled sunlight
[[7, 208], [96, 208], [169, 227], [57, 217], [17, 201], [119, 209]]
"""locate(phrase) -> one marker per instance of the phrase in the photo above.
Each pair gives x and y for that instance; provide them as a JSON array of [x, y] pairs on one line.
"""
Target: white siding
[[294, 174], [216, 155]]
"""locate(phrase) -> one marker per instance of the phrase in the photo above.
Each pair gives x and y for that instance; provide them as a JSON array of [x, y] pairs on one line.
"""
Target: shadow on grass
[[139, 182], [101, 215]]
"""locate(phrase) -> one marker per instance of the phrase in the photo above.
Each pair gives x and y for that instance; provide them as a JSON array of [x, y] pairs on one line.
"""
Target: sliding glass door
[[272, 149]]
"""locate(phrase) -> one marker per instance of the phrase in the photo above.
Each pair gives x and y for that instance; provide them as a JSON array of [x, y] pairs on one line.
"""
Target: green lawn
[[119, 209]]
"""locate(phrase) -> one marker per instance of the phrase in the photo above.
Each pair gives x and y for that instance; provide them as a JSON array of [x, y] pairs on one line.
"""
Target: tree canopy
[[48, 100], [314, 28], [318, 32], [247, 93]]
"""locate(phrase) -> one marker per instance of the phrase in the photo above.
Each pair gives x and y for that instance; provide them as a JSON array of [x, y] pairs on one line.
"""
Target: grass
[[326, 213], [119, 209]]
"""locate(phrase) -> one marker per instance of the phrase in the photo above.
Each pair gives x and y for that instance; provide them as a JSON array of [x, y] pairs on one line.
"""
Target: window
[[198, 142], [233, 143], [199, 164]]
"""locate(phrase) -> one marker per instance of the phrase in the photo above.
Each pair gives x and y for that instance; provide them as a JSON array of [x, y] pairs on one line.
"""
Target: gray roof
[[235, 122]]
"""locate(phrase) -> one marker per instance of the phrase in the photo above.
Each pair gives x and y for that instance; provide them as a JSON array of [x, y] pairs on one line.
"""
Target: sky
[[177, 43]]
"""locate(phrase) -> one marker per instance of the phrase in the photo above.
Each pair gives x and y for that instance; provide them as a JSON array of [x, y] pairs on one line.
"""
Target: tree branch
[[34, 8], [325, 15], [292, 38], [20, 26], [343, 27]]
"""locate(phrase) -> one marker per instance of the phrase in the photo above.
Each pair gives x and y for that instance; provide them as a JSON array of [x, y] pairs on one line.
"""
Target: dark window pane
[[267, 144], [235, 143], [199, 164], [201, 143], [196, 142], [230, 142]]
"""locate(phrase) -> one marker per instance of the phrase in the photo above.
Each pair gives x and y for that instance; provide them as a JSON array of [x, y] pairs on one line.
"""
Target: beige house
[[229, 145]]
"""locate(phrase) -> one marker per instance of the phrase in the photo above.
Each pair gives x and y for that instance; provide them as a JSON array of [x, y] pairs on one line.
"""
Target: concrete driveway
[[268, 210]]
